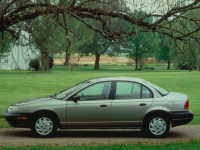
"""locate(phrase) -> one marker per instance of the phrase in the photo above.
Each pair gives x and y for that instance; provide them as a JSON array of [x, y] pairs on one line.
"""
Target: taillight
[[186, 106]]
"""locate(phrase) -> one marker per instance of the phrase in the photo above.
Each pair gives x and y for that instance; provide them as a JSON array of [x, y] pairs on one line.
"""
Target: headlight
[[9, 110]]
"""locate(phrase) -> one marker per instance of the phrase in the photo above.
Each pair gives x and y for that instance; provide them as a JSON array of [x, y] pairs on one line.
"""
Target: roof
[[116, 79]]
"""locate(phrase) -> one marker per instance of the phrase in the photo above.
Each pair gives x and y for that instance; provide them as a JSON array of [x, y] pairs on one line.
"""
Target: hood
[[32, 100]]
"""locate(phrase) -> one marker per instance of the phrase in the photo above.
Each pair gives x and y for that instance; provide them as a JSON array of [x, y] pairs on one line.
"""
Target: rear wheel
[[156, 126], [44, 125]]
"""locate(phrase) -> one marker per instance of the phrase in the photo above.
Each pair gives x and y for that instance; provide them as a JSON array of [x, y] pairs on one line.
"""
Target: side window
[[127, 90], [146, 93], [95, 92]]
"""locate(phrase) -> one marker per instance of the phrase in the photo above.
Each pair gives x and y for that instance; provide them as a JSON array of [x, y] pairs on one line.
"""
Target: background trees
[[141, 44], [166, 13], [165, 43], [6, 43], [178, 20], [47, 38], [97, 46]]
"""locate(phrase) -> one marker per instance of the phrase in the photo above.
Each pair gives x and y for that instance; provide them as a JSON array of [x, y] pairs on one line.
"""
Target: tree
[[187, 56], [78, 35], [164, 49], [187, 53], [98, 46], [15, 11], [6, 43], [47, 37], [168, 16], [140, 45]]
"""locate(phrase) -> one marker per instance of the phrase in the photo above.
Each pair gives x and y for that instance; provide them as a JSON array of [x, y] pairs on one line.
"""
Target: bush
[[35, 63], [186, 66], [150, 68], [86, 65], [51, 62]]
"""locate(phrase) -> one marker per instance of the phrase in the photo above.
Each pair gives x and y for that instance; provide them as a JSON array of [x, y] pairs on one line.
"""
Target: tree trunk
[[67, 57], [44, 62], [97, 59], [136, 63], [136, 59], [168, 64]]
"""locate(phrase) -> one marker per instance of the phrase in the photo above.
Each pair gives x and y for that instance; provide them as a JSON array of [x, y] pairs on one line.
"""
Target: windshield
[[70, 90], [162, 91]]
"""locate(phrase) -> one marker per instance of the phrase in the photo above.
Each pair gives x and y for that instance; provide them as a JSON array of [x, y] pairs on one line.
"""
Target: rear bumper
[[18, 120], [181, 117]]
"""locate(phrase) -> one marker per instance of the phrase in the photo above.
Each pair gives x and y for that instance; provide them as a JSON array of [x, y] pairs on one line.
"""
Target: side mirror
[[76, 98]]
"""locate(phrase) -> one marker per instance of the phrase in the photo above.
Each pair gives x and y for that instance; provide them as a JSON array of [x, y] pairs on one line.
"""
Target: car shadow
[[96, 133]]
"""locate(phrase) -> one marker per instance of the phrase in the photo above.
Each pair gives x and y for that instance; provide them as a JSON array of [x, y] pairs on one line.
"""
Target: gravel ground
[[24, 137]]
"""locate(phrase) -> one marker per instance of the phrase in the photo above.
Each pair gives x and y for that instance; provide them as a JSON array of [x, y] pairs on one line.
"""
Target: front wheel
[[157, 126], [44, 126]]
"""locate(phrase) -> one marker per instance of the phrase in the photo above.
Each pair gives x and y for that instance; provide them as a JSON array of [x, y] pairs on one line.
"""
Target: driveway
[[22, 137]]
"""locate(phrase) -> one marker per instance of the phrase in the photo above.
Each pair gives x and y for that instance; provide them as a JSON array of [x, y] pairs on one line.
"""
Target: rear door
[[130, 102]]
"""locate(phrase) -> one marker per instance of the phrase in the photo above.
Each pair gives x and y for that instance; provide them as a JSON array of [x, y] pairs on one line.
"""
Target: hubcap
[[44, 126], [157, 126]]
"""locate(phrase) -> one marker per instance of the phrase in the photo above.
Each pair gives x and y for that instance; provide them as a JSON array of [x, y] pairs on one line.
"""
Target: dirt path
[[19, 137]]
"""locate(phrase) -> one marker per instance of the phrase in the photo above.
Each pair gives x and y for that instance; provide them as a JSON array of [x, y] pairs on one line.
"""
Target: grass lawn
[[15, 85], [186, 145]]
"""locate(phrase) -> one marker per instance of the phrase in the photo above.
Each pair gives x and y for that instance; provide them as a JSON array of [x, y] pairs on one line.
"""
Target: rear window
[[162, 91]]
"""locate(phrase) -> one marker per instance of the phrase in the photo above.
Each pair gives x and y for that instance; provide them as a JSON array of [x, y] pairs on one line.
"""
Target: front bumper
[[18, 120], [181, 117]]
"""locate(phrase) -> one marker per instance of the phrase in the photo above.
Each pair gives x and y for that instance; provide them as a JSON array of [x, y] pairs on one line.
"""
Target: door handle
[[143, 104], [103, 105]]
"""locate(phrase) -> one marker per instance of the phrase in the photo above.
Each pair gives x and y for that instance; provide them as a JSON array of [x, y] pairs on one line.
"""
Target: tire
[[156, 126], [44, 126]]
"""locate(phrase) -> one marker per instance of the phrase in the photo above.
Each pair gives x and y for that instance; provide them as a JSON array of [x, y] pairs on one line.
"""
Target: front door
[[92, 108]]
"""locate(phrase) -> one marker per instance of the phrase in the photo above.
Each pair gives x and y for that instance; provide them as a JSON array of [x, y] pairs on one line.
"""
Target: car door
[[130, 102], [92, 107]]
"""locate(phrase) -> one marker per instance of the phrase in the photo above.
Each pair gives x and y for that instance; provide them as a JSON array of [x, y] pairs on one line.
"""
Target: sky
[[154, 6]]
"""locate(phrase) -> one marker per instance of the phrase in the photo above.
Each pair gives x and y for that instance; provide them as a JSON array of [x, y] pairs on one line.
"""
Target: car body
[[103, 103]]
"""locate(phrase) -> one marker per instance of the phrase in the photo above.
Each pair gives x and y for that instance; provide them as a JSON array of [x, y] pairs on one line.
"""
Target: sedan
[[103, 103]]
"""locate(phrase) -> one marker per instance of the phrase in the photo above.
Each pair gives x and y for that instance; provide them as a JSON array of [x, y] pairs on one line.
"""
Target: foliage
[[164, 47], [168, 21], [35, 63], [6, 43], [51, 62], [97, 46], [80, 36], [46, 37], [151, 68], [186, 53], [142, 44], [186, 66]]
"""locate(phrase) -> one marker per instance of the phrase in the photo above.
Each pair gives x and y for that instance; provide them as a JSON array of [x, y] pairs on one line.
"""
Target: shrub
[[51, 62], [86, 65], [35, 63], [150, 68], [186, 66]]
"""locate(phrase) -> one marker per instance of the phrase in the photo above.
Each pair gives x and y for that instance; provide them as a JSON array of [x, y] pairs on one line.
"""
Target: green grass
[[186, 145], [15, 85]]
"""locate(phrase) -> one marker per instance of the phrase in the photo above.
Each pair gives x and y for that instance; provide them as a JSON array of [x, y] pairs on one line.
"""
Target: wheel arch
[[47, 112], [159, 113]]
